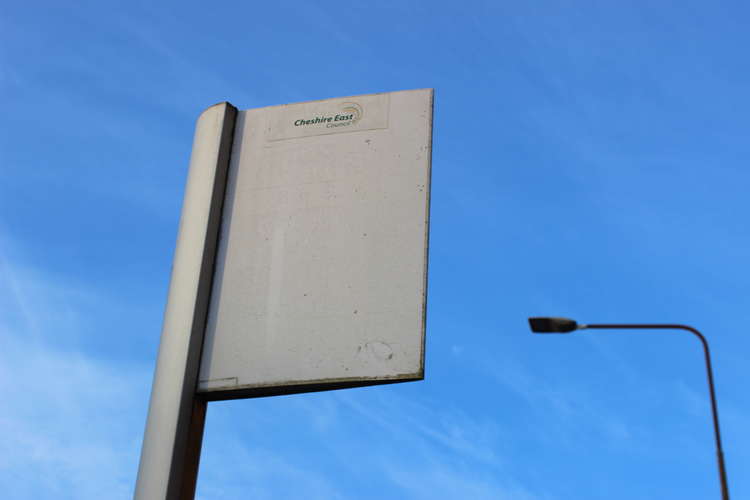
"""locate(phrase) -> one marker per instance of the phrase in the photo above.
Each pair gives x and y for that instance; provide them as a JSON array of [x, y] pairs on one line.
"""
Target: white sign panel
[[321, 269]]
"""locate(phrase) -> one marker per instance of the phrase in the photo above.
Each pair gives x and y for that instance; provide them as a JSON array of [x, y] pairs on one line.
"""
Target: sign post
[[301, 264], [174, 428]]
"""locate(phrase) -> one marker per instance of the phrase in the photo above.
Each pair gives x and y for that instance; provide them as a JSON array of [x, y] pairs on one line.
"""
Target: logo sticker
[[328, 117], [350, 113]]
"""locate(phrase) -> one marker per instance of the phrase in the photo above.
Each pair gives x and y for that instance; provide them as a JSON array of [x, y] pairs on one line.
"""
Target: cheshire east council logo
[[350, 113]]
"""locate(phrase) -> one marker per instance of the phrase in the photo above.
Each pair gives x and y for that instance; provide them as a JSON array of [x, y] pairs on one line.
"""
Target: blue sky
[[590, 160]]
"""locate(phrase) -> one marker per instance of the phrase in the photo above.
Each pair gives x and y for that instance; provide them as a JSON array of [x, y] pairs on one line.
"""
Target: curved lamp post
[[565, 325]]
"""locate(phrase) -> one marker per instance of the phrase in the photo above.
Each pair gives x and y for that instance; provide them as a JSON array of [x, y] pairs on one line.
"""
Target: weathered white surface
[[321, 268]]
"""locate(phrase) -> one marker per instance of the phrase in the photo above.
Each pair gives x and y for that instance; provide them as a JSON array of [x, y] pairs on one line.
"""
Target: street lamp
[[565, 325]]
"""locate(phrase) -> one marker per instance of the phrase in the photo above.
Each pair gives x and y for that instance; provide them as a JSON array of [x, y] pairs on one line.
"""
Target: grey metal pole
[[541, 324], [709, 373], [174, 428]]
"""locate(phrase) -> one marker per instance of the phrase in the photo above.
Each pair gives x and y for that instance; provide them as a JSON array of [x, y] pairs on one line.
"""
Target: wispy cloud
[[449, 450], [244, 471], [71, 424], [561, 404], [68, 423], [365, 443]]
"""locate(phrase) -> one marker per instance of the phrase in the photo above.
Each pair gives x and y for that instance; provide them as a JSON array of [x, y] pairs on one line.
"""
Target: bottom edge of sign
[[299, 388]]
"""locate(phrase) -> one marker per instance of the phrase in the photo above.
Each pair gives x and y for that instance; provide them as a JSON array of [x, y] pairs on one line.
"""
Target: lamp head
[[552, 325]]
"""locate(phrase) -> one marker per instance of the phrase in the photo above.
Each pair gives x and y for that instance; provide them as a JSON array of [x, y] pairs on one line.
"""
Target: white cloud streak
[[71, 424]]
